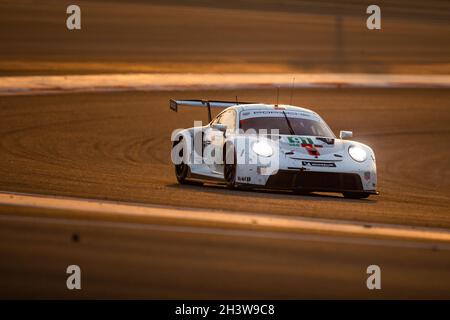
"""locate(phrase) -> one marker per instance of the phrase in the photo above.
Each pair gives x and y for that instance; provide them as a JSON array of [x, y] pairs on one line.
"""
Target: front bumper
[[317, 181]]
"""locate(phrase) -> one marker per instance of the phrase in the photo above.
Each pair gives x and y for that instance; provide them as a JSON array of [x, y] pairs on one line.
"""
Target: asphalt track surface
[[116, 147], [141, 260]]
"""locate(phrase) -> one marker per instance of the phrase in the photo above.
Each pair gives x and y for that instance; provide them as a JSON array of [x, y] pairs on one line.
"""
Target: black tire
[[229, 169], [302, 192], [182, 171], [356, 195]]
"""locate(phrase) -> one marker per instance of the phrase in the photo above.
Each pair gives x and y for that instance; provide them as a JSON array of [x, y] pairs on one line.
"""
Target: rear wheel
[[181, 172], [356, 195], [229, 169]]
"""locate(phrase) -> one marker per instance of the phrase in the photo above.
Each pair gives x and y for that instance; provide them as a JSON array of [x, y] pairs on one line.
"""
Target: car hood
[[311, 147]]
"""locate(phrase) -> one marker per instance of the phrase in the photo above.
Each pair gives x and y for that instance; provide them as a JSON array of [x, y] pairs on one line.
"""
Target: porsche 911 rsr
[[270, 146]]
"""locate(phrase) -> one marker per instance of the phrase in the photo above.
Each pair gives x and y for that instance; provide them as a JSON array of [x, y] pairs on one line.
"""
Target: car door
[[228, 118], [215, 138], [209, 140]]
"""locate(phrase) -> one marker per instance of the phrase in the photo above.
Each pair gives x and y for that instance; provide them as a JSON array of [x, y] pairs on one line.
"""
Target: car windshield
[[287, 123]]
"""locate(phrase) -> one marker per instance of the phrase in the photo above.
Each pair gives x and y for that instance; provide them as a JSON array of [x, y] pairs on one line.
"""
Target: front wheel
[[356, 195]]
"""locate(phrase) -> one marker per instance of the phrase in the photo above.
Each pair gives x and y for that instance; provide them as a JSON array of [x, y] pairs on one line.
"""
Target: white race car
[[271, 147]]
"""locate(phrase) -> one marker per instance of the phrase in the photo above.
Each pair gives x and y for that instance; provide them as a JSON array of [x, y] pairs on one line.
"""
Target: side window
[[229, 119]]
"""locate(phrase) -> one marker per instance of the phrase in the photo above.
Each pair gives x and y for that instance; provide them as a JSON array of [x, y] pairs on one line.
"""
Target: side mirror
[[220, 127], [345, 135]]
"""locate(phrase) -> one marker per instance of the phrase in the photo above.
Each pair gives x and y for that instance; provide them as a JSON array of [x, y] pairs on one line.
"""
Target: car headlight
[[357, 153], [262, 149]]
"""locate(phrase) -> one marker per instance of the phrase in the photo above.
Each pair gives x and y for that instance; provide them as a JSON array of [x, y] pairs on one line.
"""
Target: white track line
[[184, 81], [233, 218]]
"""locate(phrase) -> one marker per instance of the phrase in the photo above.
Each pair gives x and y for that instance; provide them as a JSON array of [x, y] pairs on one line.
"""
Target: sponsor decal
[[319, 164], [326, 140], [278, 112], [244, 179]]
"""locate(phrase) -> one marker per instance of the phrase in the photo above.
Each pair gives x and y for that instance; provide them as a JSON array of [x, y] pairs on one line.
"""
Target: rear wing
[[204, 103]]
